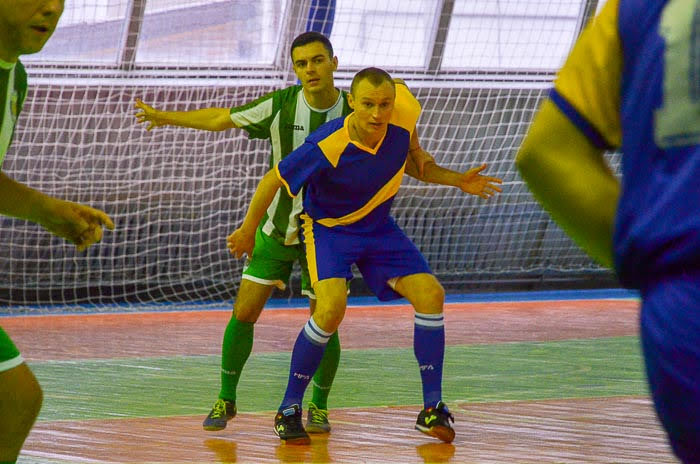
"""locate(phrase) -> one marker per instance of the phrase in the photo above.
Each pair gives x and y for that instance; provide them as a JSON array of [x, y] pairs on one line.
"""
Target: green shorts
[[271, 264], [9, 354]]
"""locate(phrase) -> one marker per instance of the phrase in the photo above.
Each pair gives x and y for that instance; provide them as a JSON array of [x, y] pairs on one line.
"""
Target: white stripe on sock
[[429, 320], [315, 333]]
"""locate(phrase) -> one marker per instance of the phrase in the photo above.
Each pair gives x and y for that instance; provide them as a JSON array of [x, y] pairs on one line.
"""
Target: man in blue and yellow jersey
[[632, 83], [351, 169], [285, 118], [25, 26]]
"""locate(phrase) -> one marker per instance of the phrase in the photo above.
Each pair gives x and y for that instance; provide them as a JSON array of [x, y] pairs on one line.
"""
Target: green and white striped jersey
[[13, 90], [286, 119]]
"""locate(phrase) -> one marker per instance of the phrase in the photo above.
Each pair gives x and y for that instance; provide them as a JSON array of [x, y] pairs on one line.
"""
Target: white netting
[[176, 193]]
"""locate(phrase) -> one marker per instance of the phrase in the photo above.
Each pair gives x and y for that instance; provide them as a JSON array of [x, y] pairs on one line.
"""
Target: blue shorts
[[670, 334], [380, 255]]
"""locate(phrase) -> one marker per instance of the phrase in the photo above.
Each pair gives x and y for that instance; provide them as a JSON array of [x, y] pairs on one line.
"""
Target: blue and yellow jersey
[[348, 184], [285, 118], [632, 82]]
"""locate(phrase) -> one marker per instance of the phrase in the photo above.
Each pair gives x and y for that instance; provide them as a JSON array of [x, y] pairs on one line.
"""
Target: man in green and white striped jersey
[[25, 26]]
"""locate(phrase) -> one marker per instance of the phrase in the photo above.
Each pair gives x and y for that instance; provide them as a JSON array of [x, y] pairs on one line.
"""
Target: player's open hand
[[240, 243], [484, 186], [148, 114], [79, 224]]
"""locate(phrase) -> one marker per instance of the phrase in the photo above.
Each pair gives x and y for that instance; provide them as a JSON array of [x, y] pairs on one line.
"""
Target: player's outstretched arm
[[211, 119], [570, 178], [79, 224], [422, 166], [471, 181], [242, 240]]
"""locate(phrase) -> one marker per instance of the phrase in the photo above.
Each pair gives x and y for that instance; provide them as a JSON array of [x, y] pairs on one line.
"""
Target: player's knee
[[246, 312], [329, 314], [34, 399], [431, 299], [32, 395], [246, 315], [250, 300], [27, 402], [436, 295], [328, 322]]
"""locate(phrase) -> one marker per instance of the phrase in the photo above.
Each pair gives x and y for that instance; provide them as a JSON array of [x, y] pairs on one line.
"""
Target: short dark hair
[[375, 76], [310, 37]]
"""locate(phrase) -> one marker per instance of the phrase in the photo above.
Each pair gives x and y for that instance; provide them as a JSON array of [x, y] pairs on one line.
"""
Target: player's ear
[[335, 63], [351, 102]]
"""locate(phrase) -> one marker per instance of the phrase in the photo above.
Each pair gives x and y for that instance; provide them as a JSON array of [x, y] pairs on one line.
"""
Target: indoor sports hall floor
[[530, 378]]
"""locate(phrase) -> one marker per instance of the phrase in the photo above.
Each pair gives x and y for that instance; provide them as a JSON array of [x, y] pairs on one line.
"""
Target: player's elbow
[[412, 171], [218, 119], [271, 180], [223, 123]]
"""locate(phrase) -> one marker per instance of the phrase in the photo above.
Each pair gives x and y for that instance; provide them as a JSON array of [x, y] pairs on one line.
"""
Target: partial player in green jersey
[[25, 26], [284, 117]]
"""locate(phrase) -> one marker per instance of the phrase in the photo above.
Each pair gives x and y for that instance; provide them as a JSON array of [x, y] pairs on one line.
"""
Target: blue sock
[[306, 357], [429, 348]]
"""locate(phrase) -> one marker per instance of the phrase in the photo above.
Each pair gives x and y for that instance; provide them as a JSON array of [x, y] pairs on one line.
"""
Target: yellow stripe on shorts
[[308, 231]]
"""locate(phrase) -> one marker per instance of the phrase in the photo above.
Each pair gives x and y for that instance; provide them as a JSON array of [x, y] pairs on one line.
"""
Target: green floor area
[[188, 385]]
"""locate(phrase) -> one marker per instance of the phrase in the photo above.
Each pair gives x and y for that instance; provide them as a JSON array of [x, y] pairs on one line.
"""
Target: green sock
[[235, 350], [323, 379]]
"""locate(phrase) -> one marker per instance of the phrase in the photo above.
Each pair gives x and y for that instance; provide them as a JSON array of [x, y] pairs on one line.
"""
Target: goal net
[[479, 68]]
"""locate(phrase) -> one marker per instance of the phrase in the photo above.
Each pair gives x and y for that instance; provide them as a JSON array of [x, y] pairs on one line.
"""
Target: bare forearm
[[79, 224], [18, 200], [211, 119], [435, 174], [264, 194], [431, 172]]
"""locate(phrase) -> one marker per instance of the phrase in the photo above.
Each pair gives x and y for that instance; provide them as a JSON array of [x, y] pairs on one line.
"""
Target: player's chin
[[314, 90], [33, 46]]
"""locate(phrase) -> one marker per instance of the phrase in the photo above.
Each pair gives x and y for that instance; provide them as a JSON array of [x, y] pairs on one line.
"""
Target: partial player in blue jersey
[[632, 83], [351, 169], [25, 26]]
